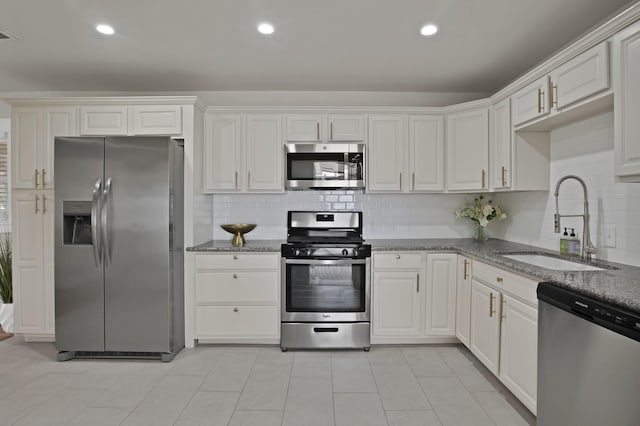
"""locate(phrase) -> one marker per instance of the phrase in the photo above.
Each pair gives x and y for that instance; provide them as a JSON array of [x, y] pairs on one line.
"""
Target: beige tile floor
[[255, 385]]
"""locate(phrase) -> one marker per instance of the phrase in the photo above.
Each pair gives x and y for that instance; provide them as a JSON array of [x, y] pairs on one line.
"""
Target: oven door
[[335, 290]]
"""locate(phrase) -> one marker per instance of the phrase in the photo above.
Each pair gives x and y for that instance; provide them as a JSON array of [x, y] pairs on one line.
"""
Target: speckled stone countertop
[[250, 246], [618, 284]]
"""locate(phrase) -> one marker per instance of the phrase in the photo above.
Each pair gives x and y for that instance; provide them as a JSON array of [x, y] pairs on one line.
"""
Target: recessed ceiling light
[[428, 30], [265, 28], [105, 29]]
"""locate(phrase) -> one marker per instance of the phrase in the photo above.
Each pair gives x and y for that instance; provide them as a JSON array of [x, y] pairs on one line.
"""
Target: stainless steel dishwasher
[[588, 361]]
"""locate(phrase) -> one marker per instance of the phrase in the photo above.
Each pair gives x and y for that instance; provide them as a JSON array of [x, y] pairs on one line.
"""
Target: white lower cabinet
[[413, 297], [463, 299], [237, 297], [504, 328]]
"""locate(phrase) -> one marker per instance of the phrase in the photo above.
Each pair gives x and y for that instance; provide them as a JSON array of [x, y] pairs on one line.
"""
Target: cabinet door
[[441, 295], [500, 146], [626, 86], [468, 150], [485, 325], [264, 152], [58, 121], [386, 152], [519, 349], [346, 127], [581, 77], [222, 150], [304, 128], [103, 120], [530, 102], [155, 120], [426, 153], [31, 302], [26, 135], [463, 300], [396, 303]]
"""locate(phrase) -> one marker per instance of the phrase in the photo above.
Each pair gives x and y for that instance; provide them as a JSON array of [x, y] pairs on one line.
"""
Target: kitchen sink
[[551, 262]]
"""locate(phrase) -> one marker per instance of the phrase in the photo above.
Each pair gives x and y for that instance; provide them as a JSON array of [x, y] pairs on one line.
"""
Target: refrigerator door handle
[[95, 234], [104, 221]]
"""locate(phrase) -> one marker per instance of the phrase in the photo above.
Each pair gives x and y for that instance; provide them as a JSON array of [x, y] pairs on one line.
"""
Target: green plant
[[6, 287]]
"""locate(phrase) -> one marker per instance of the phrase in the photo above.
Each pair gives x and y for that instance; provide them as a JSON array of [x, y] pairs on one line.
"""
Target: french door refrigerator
[[119, 247]]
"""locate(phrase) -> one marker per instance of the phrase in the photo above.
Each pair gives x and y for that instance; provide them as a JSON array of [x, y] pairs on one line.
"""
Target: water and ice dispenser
[[76, 228]]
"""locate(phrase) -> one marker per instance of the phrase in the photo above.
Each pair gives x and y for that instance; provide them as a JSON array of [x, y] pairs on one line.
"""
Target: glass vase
[[480, 234]]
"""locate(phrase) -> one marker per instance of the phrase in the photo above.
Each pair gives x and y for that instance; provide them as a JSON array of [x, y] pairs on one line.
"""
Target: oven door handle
[[328, 262]]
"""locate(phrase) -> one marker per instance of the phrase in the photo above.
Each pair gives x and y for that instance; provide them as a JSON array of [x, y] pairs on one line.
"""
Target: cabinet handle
[[235, 275], [466, 263], [484, 175], [44, 204], [504, 181], [401, 181], [331, 130], [397, 256], [44, 181], [248, 180], [503, 314], [318, 130], [540, 98], [499, 279], [235, 309], [417, 283], [413, 181], [491, 311], [554, 99], [235, 181], [235, 257], [37, 173], [37, 205]]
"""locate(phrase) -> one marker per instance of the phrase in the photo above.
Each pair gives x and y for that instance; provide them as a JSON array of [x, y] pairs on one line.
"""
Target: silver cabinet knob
[[235, 309], [235, 257], [397, 256], [235, 275]]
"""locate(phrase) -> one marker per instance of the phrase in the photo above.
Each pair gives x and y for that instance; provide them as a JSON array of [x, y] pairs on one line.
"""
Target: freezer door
[[136, 240], [79, 285]]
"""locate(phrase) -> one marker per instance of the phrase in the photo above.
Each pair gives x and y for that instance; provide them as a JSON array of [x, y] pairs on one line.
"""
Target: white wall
[[384, 215], [584, 149]]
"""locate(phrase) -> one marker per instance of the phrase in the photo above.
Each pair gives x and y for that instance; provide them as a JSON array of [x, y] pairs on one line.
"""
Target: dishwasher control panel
[[601, 313]]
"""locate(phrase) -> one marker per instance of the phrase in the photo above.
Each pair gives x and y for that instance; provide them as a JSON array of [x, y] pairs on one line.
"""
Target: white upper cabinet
[[468, 150], [346, 127], [243, 153], [626, 86], [576, 80], [33, 132], [264, 153], [325, 128], [386, 148], [581, 77], [222, 152], [122, 120], [305, 128], [426, 153], [531, 101], [500, 146]]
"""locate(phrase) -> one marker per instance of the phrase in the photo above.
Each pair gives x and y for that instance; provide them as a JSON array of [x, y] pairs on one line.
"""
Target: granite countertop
[[618, 284]]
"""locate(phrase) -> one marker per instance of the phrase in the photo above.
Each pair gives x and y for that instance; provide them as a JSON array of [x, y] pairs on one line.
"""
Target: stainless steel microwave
[[325, 166]]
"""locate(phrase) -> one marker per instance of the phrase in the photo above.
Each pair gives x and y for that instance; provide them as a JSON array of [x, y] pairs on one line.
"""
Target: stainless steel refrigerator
[[119, 247]]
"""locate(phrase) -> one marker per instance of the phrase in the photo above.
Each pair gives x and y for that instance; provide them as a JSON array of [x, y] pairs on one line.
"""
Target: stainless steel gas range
[[326, 284]]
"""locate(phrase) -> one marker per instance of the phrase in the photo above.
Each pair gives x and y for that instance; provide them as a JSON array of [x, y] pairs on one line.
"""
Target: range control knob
[[345, 252], [355, 252], [296, 252]]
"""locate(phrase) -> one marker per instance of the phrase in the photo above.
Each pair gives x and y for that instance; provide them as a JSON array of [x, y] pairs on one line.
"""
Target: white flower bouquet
[[481, 212]]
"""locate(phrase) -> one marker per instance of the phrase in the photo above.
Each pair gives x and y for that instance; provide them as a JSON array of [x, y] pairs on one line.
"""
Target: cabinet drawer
[[517, 285], [237, 261], [241, 286], [237, 321], [398, 260]]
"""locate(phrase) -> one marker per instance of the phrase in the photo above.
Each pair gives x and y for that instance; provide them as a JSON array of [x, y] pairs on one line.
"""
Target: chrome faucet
[[587, 248]]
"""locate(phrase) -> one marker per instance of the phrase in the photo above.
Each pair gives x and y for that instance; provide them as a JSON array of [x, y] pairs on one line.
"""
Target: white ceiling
[[350, 45]]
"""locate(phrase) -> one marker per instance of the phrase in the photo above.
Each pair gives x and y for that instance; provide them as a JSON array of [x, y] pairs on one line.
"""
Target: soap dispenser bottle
[[564, 242], [573, 245]]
